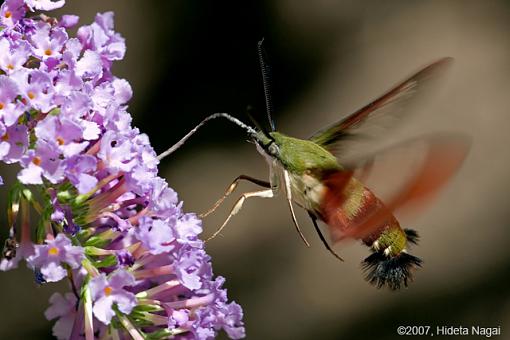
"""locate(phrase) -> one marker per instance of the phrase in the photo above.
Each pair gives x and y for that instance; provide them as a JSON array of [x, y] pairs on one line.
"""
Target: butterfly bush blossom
[[106, 222]]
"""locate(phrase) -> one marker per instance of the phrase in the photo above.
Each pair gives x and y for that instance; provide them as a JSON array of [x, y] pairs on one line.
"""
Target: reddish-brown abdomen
[[347, 204]]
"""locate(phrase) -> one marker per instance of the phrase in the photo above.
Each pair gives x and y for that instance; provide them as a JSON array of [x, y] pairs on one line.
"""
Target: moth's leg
[[314, 221], [288, 193], [232, 187], [268, 193]]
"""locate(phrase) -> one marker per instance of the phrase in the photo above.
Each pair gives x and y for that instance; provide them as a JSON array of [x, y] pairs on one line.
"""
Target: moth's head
[[268, 143]]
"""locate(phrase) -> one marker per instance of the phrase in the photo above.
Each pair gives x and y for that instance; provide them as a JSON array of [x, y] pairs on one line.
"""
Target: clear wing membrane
[[441, 155], [382, 112]]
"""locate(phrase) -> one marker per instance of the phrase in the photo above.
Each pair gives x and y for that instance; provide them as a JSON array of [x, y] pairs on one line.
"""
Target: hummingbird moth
[[313, 174]]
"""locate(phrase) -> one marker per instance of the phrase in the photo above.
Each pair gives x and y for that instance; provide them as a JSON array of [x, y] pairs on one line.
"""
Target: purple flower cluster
[[107, 223]]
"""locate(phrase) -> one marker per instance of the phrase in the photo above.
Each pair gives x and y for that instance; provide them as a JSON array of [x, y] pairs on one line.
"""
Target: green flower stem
[[94, 251], [132, 330], [89, 267], [89, 321], [30, 198], [158, 289]]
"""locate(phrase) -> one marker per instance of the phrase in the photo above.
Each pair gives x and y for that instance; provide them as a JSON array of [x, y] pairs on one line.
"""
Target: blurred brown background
[[188, 59]]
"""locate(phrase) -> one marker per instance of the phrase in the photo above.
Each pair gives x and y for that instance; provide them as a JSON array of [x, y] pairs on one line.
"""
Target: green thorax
[[298, 155]]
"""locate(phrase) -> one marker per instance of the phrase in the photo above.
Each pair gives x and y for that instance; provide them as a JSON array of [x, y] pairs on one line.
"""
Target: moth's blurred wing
[[415, 171], [381, 113]]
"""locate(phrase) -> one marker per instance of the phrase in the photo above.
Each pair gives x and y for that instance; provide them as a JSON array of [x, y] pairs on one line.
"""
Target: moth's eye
[[272, 149]]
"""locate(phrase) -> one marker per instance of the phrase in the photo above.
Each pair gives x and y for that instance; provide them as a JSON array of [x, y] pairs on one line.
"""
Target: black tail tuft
[[412, 236], [394, 272]]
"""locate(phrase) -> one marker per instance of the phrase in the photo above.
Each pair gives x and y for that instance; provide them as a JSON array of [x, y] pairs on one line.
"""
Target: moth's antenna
[[256, 123], [266, 78], [234, 120]]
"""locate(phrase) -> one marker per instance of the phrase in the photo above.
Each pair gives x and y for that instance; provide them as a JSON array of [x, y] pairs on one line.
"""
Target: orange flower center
[[8, 14], [108, 290], [60, 141], [5, 137], [10, 67], [53, 251], [36, 160], [48, 52], [1, 105], [31, 95]]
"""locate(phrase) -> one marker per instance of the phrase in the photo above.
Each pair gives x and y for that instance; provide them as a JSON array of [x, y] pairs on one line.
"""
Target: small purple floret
[[50, 257], [110, 290]]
